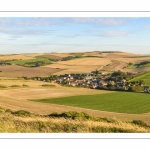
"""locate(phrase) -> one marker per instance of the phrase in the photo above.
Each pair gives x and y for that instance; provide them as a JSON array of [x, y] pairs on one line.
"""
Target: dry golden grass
[[12, 124]]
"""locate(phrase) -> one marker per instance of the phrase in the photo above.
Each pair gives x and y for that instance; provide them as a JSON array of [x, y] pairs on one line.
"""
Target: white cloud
[[114, 33], [29, 22], [17, 33], [100, 21]]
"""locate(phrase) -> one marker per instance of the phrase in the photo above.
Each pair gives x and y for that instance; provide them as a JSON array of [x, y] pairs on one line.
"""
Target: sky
[[74, 34]]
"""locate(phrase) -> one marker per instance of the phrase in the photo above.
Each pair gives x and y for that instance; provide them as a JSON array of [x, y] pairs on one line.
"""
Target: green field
[[145, 77], [139, 65], [31, 62], [122, 102]]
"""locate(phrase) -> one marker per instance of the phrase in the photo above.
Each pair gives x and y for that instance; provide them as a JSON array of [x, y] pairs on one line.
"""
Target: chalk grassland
[[32, 123], [20, 71], [145, 77]]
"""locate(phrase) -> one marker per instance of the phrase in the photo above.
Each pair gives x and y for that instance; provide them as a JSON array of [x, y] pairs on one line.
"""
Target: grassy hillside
[[145, 77], [122, 102], [69, 122]]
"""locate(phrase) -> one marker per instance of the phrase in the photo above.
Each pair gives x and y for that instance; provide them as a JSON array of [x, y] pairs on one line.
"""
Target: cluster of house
[[89, 80]]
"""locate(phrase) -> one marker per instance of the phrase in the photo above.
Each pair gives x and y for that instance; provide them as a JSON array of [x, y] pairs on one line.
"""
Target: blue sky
[[76, 34]]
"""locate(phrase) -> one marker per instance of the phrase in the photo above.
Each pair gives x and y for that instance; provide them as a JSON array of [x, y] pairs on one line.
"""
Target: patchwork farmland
[[18, 93]]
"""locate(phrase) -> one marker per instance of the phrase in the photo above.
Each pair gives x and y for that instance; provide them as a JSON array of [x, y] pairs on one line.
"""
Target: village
[[117, 80]]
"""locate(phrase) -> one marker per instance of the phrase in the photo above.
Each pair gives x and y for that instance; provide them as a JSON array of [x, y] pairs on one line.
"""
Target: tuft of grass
[[15, 86], [48, 85], [21, 113], [3, 86], [24, 85]]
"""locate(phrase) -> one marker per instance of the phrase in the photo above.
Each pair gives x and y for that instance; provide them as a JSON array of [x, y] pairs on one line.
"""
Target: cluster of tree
[[136, 88], [35, 64], [46, 79], [144, 62], [119, 75], [4, 63], [71, 57]]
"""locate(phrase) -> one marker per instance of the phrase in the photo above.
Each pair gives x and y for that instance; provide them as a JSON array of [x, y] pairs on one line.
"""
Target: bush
[[24, 85], [14, 86], [8, 111], [140, 123], [48, 85], [2, 86], [22, 113], [72, 115]]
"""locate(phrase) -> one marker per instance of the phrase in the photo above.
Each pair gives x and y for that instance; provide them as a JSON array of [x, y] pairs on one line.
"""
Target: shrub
[[72, 115], [2, 86], [24, 85], [8, 111], [22, 113], [48, 85], [140, 123], [14, 86]]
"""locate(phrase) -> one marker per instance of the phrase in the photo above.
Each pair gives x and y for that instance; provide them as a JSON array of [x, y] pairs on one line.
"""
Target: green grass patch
[[145, 77], [122, 102], [139, 65], [21, 113], [32, 62]]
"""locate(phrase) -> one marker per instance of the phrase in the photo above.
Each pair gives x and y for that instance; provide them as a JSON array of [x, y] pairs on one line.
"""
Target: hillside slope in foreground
[[69, 122]]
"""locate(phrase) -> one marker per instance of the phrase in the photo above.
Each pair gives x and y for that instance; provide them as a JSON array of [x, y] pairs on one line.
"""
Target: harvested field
[[51, 56], [115, 66], [97, 54], [81, 65], [18, 99], [58, 55], [86, 61], [75, 68], [19, 71], [18, 56], [133, 60]]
